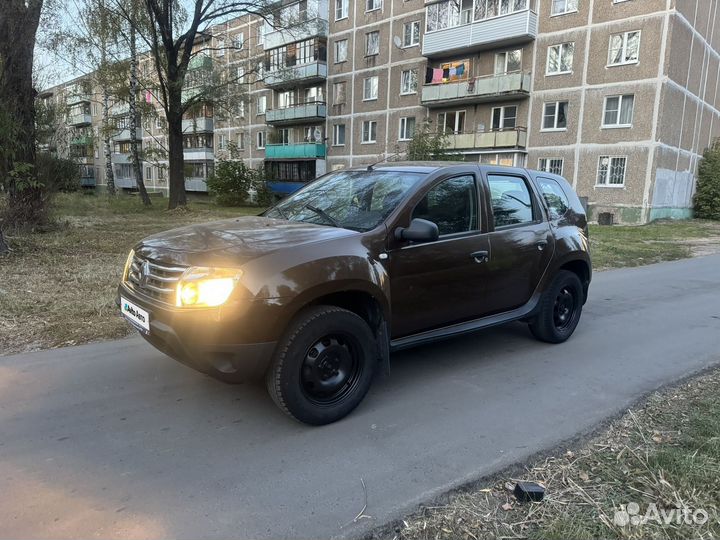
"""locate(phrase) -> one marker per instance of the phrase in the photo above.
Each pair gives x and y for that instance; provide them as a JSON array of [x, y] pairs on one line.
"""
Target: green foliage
[[57, 174], [430, 145], [232, 181], [707, 194]]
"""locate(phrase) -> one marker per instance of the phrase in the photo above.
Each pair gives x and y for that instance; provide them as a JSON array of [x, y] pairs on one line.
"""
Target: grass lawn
[[665, 453], [58, 287]]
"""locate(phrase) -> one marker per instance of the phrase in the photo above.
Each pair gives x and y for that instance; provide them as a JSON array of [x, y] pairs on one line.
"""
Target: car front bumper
[[228, 343]]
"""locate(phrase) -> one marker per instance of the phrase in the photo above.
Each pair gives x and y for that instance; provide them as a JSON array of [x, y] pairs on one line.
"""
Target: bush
[[232, 181], [428, 144], [707, 194], [57, 174]]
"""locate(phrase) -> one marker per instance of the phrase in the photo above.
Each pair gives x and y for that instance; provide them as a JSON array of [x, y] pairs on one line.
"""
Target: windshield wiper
[[323, 214]]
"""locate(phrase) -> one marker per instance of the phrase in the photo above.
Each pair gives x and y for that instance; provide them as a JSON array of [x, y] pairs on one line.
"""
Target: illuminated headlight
[[206, 287], [128, 264]]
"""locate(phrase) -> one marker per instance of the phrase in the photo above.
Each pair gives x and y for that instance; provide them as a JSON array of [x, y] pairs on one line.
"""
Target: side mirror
[[420, 230]]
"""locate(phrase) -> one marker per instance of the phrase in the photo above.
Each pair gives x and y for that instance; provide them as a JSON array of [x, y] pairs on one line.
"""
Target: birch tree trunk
[[132, 100], [109, 175]]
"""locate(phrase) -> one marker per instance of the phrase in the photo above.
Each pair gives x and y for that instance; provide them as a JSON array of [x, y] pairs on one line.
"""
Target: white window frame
[[342, 7], [557, 115], [241, 140], [367, 43], [370, 80], [238, 41], [505, 55], [373, 5], [623, 48], [414, 39], [546, 166], [411, 73], [220, 46], [336, 133], [617, 124], [502, 110], [609, 173], [566, 11], [562, 46], [338, 60], [222, 142], [456, 130], [260, 140], [263, 100], [336, 86], [403, 128], [370, 124]]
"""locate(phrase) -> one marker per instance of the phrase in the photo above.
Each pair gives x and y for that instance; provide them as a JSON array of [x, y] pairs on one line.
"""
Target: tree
[[430, 145], [233, 182], [18, 31], [707, 194]]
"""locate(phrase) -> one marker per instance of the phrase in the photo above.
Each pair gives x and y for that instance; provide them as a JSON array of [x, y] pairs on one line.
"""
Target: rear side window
[[554, 196], [511, 201], [452, 205]]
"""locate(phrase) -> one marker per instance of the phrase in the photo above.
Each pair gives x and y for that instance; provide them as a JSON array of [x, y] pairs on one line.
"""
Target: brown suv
[[319, 289]]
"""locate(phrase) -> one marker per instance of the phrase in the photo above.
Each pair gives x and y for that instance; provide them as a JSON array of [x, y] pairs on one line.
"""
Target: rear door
[[521, 242]]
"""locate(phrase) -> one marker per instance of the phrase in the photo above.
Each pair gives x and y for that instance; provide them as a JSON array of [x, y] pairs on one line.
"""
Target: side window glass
[[511, 201], [554, 196], [452, 205]]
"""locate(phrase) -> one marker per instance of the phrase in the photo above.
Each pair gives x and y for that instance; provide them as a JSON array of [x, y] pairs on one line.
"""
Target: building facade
[[619, 96]]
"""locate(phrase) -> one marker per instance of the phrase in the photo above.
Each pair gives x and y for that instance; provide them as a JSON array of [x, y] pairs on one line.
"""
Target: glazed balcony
[[79, 119], [198, 154], [125, 135], [506, 138], [295, 151], [82, 140], [310, 28], [313, 72], [478, 90], [306, 112], [198, 125]]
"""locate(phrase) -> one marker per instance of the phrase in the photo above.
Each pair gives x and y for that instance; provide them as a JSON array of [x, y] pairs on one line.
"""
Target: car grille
[[154, 280]]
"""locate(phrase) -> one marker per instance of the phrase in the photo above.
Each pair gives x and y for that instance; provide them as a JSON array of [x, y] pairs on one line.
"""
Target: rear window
[[556, 199]]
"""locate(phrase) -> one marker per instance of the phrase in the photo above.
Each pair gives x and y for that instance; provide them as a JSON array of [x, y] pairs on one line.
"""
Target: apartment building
[[619, 96]]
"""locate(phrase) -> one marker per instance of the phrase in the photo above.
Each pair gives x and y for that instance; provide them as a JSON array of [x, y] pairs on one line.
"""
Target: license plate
[[136, 315]]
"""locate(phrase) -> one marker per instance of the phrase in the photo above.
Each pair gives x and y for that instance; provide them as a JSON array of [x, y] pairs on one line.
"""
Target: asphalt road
[[115, 440]]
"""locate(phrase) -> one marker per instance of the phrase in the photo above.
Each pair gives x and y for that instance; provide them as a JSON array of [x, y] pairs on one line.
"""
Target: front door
[[439, 283]]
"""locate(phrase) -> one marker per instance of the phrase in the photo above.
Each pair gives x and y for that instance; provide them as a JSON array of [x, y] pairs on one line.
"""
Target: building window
[[624, 48], [555, 116], [239, 41], [551, 165], [370, 88], [372, 5], [261, 104], [220, 46], [339, 135], [408, 81], [618, 111], [341, 47], [148, 173], [407, 128], [561, 7], [369, 131], [341, 9], [451, 122], [504, 118], [560, 58], [411, 34], [372, 43], [260, 140], [286, 99], [508, 62], [240, 75], [222, 142], [339, 93], [260, 71], [611, 170]]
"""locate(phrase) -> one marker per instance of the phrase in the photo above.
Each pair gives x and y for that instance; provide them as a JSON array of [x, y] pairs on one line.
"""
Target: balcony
[[124, 135], [125, 182], [198, 125], [315, 27], [296, 75], [307, 112], [295, 151], [83, 140], [199, 154], [195, 184], [79, 119], [501, 31], [76, 98], [119, 158], [509, 138], [478, 90]]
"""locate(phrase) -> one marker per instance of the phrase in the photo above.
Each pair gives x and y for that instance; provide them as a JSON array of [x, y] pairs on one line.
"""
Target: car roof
[[433, 166]]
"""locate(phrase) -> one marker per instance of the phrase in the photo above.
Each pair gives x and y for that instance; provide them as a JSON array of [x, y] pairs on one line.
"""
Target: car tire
[[323, 365], [559, 310]]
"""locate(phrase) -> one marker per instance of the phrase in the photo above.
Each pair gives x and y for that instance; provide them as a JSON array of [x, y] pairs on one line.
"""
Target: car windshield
[[356, 200]]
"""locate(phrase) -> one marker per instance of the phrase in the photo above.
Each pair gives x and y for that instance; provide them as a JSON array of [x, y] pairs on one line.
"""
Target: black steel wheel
[[559, 309], [331, 369]]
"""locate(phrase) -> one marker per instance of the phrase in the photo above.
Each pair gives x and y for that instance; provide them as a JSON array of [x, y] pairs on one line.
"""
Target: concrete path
[[115, 440]]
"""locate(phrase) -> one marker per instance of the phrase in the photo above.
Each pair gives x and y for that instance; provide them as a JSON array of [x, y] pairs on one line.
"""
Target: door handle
[[541, 244], [480, 256]]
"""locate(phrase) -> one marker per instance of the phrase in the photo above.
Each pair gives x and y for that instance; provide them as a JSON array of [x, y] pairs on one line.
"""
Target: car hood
[[235, 240]]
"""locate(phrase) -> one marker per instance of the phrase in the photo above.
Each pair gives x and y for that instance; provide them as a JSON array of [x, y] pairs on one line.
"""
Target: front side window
[[619, 111], [369, 131], [624, 48], [555, 116], [504, 118], [611, 170], [370, 88], [555, 198], [407, 128], [341, 47], [560, 58], [356, 200], [339, 135], [452, 205], [372, 43], [408, 81], [411, 34], [511, 200], [551, 165], [560, 7], [508, 62]]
